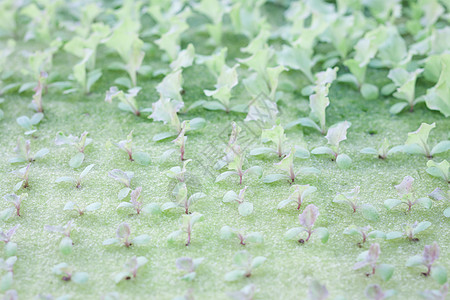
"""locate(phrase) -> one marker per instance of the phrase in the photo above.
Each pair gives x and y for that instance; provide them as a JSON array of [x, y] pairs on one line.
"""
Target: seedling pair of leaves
[[80, 143], [23, 152], [307, 219], [123, 234], [5, 237], [409, 231], [76, 180], [29, 123], [66, 273], [15, 201], [245, 265], [428, 259], [177, 172], [7, 265], [138, 206], [365, 233], [383, 151], [245, 208], [66, 243], [140, 157], [23, 174], [405, 83], [82, 210], [227, 232], [182, 199], [179, 141], [439, 170], [188, 266], [375, 292], [439, 195], [124, 177], [417, 142], [351, 198], [407, 197], [130, 269], [187, 224], [297, 196], [370, 258]]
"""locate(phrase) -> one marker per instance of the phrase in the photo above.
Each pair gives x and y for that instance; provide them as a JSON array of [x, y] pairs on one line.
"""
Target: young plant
[[188, 266], [29, 123], [439, 170], [365, 233], [177, 172], [438, 95], [351, 198], [16, 201], [287, 165], [245, 265], [226, 81], [68, 274], [182, 200], [36, 102], [130, 269], [370, 258], [123, 233], [23, 175], [180, 141], [77, 180], [440, 294], [123, 177], [80, 143], [409, 231], [141, 158], [437, 194], [7, 279], [429, 256], [383, 151], [374, 292], [307, 219], [83, 78], [245, 208], [417, 142], [405, 82], [127, 100], [23, 153], [246, 293], [226, 233], [336, 134], [275, 135], [298, 195], [186, 226], [5, 237], [407, 197], [139, 206], [74, 206], [66, 243]]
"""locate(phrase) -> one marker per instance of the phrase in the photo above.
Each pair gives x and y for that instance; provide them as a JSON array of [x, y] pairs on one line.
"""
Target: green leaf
[[225, 175], [168, 205], [337, 133], [275, 177], [385, 271], [86, 171], [230, 196], [76, 160], [110, 241], [397, 107], [65, 179], [142, 158], [65, 246], [284, 203], [322, 150], [242, 258], [343, 161], [394, 235], [441, 147], [258, 261], [438, 97], [141, 239], [440, 170], [421, 227], [292, 234], [245, 209], [255, 237], [414, 261], [152, 208], [6, 282], [226, 232], [234, 275], [439, 274], [369, 91], [123, 193], [420, 137], [323, 234], [447, 212], [121, 276], [80, 277], [93, 206], [260, 151], [369, 150], [369, 212], [425, 202], [391, 203]]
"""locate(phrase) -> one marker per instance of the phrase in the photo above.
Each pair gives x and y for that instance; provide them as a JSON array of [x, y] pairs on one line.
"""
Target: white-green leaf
[[245, 209]]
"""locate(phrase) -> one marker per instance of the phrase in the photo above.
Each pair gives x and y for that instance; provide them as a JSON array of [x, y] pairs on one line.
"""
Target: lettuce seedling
[[36, 102], [245, 265], [307, 219], [245, 208], [186, 226], [298, 195], [141, 158], [287, 165], [139, 206], [437, 96], [130, 269], [68, 274], [407, 196], [439, 170], [182, 200], [317, 291], [80, 143], [76, 180], [365, 233], [409, 231], [66, 243], [437, 194], [23, 152], [226, 81], [383, 151], [74, 206], [23, 175], [16, 201], [7, 265], [440, 294], [180, 141], [5, 237], [370, 258], [275, 135], [405, 82], [417, 142], [124, 178], [123, 233], [29, 123], [351, 198], [227, 232], [374, 292], [188, 266], [246, 293], [429, 256], [127, 100], [177, 172]]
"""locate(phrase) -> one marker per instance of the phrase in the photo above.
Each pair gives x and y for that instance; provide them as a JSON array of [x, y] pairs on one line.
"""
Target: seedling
[[317, 291], [370, 258], [307, 219], [365, 233], [124, 178], [7, 279], [287, 165], [180, 141], [407, 196], [80, 143], [81, 78], [440, 294], [182, 200], [298, 195], [429, 256], [66, 243], [439, 170], [405, 82], [123, 233], [245, 208], [438, 195], [5, 237], [246, 293], [351, 198], [67, 274], [436, 97], [417, 142], [230, 149], [29, 123], [127, 100], [245, 265], [23, 153], [130, 269], [275, 135], [336, 134], [226, 233], [383, 151], [23, 175], [139, 206], [74, 206], [409, 231], [186, 226], [76, 181], [374, 292], [188, 266], [36, 103], [177, 172], [141, 158], [16, 201]]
